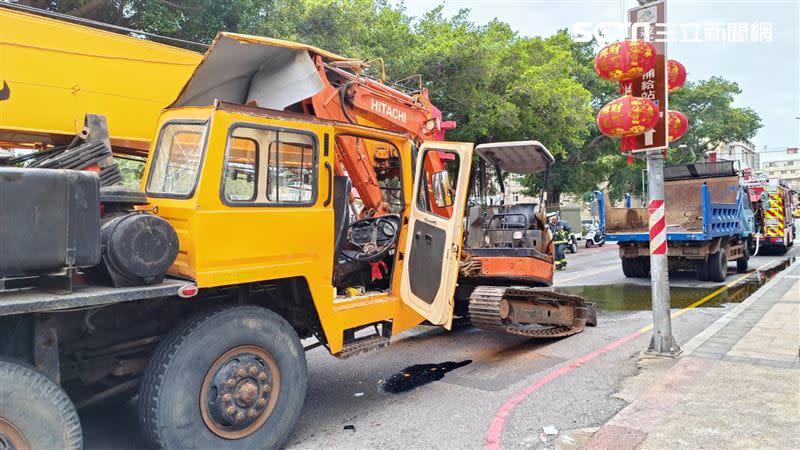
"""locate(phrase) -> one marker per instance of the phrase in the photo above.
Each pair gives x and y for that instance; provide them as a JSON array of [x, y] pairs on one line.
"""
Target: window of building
[[267, 166]]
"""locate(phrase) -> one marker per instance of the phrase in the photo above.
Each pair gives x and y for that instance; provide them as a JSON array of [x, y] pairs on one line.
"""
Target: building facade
[[743, 154], [787, 170]]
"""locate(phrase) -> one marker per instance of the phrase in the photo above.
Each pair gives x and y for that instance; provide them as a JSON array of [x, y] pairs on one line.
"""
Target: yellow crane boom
[[53, 72]]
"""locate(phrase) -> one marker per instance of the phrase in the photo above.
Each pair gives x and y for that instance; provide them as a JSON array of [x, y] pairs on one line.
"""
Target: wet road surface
[[349, 406]]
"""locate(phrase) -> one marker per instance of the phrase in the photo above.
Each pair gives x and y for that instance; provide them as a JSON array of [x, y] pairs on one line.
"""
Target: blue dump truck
[[709, 223]]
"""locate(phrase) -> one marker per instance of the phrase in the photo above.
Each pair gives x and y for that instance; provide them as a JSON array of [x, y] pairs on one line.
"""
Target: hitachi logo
[[389, 111]]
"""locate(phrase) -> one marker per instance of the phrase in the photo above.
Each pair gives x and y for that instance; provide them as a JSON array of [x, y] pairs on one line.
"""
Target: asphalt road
[[500, 393]]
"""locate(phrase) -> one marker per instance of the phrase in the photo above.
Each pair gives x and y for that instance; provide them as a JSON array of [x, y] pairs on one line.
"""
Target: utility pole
[[655, 143], [662, 343]]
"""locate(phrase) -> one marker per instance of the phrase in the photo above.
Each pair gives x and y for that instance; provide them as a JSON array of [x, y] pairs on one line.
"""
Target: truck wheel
[[743, 261], [702, 270], [629, 266], [751, 244], [644, 266], [35, 412], [233, 378], [718, 266]]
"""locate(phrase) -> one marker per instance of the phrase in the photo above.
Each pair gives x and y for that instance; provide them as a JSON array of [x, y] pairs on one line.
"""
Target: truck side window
[[240, 180], [291, 169], [269, 166]]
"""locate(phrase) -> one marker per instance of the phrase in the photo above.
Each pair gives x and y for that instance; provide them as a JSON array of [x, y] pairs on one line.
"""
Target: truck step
[[362, 345]]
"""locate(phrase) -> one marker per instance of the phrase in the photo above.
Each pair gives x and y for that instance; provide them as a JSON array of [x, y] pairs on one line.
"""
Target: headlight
[[517, 235]]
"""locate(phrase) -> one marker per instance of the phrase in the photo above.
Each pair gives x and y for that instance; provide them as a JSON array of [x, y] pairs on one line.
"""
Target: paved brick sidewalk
[[736, 386]]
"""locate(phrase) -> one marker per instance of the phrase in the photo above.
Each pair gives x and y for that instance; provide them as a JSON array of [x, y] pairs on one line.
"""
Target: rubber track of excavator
[[484, 311]]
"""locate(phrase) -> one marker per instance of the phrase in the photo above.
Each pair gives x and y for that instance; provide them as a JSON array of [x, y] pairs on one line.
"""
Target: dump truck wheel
[[702, 270], [629, 267], [744, 261], [717, 266], [644, 266], [233, 378], [34, 411]]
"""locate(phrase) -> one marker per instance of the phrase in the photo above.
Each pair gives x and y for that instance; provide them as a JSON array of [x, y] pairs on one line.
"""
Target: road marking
[[494, 436]]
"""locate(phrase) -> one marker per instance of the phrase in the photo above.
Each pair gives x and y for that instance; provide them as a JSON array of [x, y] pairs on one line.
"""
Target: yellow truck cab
[[253, 197]]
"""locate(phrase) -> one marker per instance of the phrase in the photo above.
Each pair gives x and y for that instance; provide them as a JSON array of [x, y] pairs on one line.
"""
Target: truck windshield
[[177, 160]]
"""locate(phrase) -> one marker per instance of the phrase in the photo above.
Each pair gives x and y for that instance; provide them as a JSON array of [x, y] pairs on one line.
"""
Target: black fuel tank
[[138, 248], [49, 220]]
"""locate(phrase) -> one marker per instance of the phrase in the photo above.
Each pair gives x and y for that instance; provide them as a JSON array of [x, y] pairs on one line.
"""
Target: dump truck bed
[[695, 210]]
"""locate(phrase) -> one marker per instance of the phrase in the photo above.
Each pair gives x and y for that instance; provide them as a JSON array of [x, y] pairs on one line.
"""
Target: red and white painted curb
[[658, 228]]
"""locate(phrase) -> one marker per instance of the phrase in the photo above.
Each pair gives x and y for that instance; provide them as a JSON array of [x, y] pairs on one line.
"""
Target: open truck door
[[434, 240]]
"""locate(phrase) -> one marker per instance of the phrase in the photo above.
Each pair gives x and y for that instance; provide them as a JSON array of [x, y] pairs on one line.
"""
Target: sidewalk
[[737, 384]]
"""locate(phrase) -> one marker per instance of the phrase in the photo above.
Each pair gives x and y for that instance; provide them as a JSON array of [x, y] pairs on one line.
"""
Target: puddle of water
[[415, 376], [632, 297]]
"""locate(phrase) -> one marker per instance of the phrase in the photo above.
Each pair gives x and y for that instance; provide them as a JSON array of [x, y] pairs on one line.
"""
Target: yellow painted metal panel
[[56, 72]]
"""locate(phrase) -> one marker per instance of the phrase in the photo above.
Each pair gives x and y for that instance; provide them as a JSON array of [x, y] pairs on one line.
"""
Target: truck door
[[434, 240]]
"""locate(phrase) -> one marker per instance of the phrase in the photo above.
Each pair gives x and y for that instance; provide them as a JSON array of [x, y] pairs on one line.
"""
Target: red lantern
[[676, 74], [677, 124], [627, 116], [626, 60]]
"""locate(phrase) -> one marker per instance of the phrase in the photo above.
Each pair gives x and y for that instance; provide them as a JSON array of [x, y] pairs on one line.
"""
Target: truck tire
[[718, 266], [702, 270], [638, 267], [35, 412], [629, 267], [744, 261], [233, 378]]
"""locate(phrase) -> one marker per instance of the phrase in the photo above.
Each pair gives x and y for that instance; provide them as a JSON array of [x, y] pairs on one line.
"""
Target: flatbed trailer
[[706, 210], [24, 301]]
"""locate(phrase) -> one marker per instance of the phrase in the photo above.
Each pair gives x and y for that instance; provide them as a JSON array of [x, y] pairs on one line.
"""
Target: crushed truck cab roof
[[253, 70]]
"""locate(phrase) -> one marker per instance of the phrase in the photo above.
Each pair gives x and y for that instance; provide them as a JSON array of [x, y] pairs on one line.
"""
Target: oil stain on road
[[417, 375]]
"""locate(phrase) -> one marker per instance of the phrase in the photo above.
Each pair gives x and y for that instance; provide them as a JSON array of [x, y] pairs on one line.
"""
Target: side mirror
[[441, 189]]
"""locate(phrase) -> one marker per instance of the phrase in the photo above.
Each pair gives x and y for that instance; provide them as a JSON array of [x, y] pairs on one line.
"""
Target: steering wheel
[[372, 238]]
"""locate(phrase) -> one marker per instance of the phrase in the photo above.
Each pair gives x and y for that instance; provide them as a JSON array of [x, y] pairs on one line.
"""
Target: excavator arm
[[348, 97]]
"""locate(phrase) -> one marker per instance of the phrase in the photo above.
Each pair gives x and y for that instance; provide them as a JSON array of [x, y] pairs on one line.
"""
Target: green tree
[[713, 120]]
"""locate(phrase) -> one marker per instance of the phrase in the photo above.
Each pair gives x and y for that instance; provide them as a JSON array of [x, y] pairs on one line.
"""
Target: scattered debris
[[350, 428], [358, 394], [550, 430]]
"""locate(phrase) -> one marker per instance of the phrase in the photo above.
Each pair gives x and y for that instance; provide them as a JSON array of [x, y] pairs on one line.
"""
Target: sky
[[766, 67]]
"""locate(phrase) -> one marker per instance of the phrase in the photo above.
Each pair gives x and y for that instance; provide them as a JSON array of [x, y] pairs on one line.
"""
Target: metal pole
[[662, 342]]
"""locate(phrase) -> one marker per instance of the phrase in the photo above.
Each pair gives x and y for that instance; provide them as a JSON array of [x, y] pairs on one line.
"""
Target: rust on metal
[[247, 380], [11, 437]]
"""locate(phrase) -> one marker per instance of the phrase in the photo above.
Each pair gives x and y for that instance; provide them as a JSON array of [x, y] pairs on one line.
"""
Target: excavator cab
[[511, 243]]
